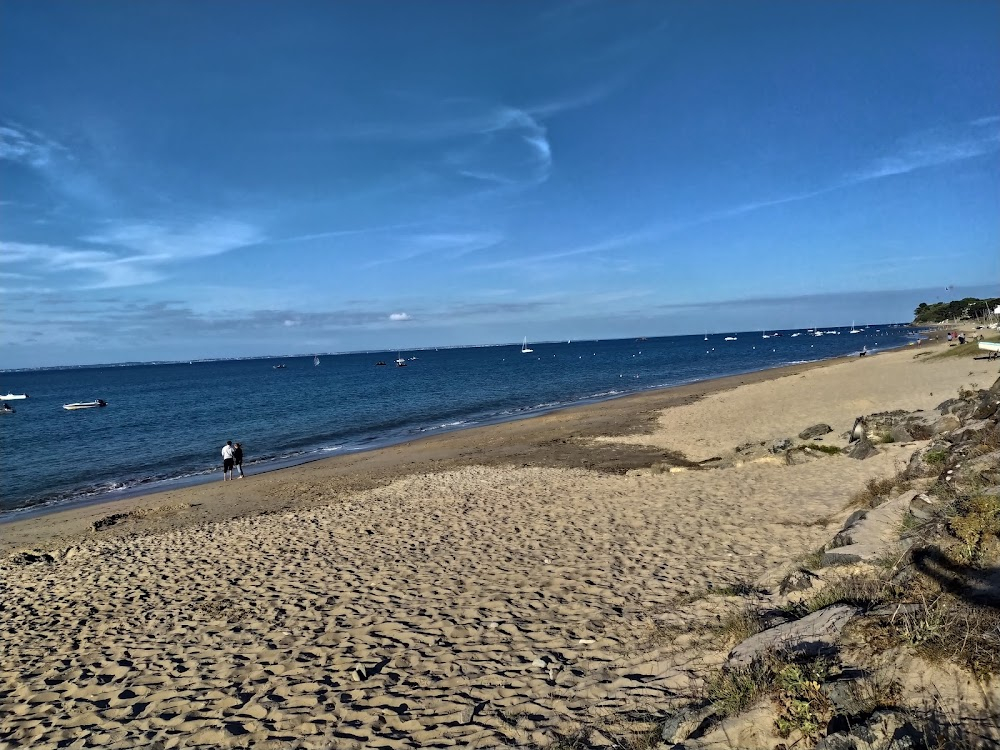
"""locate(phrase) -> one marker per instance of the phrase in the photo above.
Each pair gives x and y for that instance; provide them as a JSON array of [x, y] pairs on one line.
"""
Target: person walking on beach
[[238, 459], [227, 460]]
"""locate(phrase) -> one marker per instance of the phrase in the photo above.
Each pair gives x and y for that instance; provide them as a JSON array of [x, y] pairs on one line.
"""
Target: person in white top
[[227, 460]]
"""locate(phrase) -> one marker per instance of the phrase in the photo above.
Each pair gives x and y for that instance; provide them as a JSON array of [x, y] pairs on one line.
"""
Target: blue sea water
[[166, 423]]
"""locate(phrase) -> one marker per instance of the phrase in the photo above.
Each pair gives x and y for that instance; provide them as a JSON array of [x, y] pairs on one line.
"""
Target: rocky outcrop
[[817, 430], [813, 635]]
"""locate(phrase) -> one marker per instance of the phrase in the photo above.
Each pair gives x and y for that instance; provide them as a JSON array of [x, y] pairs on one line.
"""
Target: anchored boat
[[86, 405]]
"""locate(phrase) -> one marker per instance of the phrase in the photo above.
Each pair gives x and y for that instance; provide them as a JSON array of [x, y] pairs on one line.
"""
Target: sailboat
[[400, 362], [315, 361], [524, 347], [853, 329]]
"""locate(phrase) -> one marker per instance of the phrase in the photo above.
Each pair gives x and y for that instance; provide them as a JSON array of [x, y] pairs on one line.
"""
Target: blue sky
[[207, 179]]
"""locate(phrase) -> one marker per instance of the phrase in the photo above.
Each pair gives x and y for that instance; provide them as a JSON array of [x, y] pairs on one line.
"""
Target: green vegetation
[[961, 309], [794, 687]]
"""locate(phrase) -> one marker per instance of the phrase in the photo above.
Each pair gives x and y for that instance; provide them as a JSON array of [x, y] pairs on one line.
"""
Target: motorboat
[[278, 367], [730, 338], [380, 364], [6, 409], [13, 397], [86, 405]]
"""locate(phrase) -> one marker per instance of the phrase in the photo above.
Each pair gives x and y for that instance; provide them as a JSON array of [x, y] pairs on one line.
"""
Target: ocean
[[164, 424]]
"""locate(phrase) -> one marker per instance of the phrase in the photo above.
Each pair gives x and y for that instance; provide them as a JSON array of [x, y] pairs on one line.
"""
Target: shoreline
[[143, 486], [438, 451]]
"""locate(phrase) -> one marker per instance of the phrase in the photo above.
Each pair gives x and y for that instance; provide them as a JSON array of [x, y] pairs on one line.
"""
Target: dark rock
[[682, 725], [900, 434], [986, 406], [972, 431], [844, 555], [798, 580], [884, 730], [919, 467], [947, 423], [780, 446], [811, 433], [812, 635], [923, 507], [862, 449], [945, 407], [995, 388]]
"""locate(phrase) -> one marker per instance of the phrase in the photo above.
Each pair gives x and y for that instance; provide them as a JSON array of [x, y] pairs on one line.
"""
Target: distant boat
[[380, 364], [315, 361], [797, 333], [13, 397], [524, 347], [278, 367], [853, 329], [730, 338], [85, 405], [764, 335], [400, 362], [6, 409]]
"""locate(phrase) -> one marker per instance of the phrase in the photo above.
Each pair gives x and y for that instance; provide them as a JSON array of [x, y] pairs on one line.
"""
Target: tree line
[[959, 309]]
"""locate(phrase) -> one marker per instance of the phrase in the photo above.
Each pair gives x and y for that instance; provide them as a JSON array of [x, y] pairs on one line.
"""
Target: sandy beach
[[498, 586]]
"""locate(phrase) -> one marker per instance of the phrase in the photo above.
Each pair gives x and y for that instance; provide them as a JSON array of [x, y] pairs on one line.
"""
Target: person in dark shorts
[[227, 460], [238, 459]]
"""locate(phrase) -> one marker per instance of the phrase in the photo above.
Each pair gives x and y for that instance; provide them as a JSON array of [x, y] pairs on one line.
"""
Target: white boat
[[524, 347], [797, 333], [853, 329], [86, 405], [730, 338], [400, 362], [315, 361], [13, 397], [764, 335]]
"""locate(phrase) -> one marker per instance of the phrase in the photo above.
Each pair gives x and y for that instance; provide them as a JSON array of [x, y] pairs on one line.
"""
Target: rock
[[810, 433], [884, 730], [862, 449], [971, 431], [870, 535], [359, 673], [993, 491], [900, 434], [995, 388], [947, 423], [919, 467], [780, 446], [945, 407], [797, 580], [540, 663], [986, 406], [923, 507], [812, 635], [682, 725]]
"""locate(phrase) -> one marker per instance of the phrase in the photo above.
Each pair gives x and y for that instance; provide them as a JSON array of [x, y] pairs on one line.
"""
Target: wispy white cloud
[[400, 316], [618, 242], [164, 243], [915, 152], [448, 245], [24, 146], [130, 253]]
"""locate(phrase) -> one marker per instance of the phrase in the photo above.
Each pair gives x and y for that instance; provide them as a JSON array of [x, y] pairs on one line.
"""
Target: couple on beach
[[232, 459]]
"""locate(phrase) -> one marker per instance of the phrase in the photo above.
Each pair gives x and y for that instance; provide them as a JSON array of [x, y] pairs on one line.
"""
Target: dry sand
[[435, 594]]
